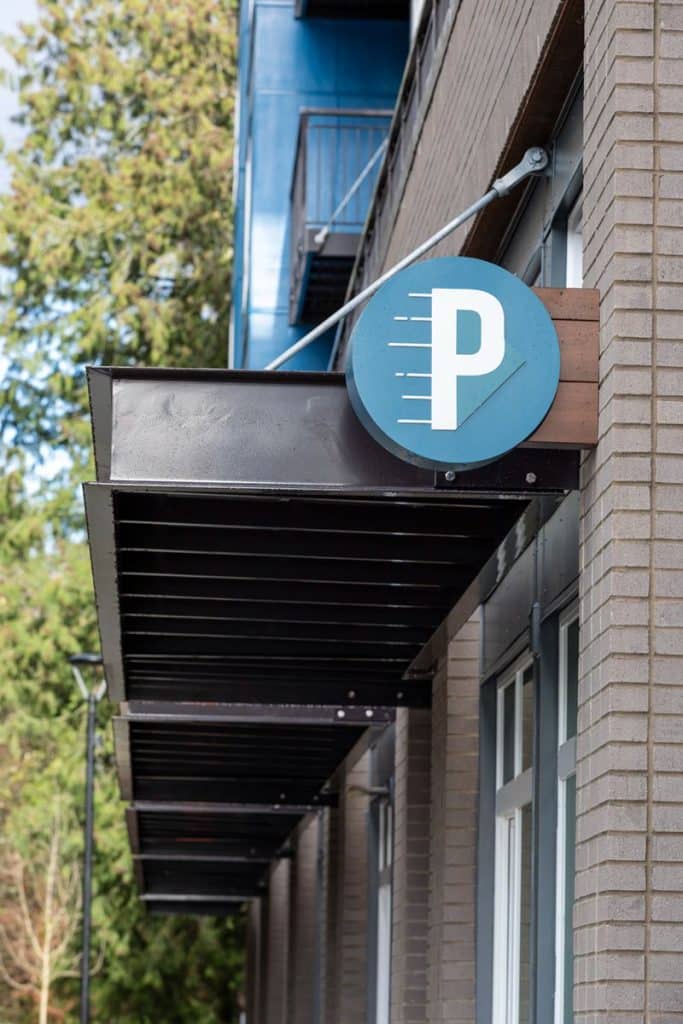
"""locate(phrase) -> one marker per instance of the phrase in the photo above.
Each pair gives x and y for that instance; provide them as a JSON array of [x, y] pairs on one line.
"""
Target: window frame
[[380, 878], [566, 769], [511, 799]]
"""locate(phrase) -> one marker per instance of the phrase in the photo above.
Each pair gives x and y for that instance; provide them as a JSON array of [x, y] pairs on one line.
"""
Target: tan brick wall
[[253, 965], [276, 966], [303, 924], [629, 907], [453, 853], [493, 52], [410, 880], [330, 930], [347, 900]]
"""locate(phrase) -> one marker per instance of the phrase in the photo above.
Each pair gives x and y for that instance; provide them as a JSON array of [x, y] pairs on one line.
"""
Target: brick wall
[[275, 971], [453, 852], [303, 924], [346, 899], [253, 965], [629, 907], [410, 880], [493, 51], [329, 924]]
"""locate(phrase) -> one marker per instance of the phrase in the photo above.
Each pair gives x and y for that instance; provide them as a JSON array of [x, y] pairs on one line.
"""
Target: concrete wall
[[629, 911]]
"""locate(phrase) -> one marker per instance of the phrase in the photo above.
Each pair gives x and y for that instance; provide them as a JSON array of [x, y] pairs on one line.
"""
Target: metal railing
[[333, 148], [422, 69], [338, 156]]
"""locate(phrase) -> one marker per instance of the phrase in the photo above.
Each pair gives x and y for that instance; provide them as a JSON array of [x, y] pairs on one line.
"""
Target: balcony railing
[[338, 156], [388, 9]]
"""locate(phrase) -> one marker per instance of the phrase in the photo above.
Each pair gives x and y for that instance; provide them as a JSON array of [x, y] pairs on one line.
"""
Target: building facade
[[426, 726], [516, 852]]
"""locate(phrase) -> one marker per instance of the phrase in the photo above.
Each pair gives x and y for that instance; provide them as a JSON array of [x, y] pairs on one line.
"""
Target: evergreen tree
[[115, 236], [115, 247]]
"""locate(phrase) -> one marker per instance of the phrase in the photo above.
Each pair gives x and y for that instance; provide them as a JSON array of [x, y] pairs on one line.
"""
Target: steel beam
[[202, 807], [266, 714], [190, 897], [204, 858]]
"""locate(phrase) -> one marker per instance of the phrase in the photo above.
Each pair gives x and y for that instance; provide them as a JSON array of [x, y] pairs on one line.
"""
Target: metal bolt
[[351, 694], [369, 713], [399, 695], [282, 796], [450, 475], [531, 478], [341, 714], [536, 156]]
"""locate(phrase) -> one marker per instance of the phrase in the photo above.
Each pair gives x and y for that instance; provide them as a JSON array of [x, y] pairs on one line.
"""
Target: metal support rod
[[87, 869], [534, 161]]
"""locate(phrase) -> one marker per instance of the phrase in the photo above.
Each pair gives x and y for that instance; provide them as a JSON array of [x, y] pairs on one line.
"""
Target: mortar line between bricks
[[653, 490]]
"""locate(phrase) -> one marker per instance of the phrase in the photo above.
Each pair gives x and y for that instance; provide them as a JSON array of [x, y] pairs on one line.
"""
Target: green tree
[[115, 247], [115, 234], [176, 970]]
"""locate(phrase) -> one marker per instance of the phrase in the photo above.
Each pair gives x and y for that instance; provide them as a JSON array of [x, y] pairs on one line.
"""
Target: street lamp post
[[92, 697]]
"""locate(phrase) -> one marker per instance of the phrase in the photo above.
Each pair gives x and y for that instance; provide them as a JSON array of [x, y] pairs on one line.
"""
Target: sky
[[11, 12]]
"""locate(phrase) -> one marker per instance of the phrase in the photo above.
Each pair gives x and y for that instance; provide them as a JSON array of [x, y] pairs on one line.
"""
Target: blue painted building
[[315, 100]]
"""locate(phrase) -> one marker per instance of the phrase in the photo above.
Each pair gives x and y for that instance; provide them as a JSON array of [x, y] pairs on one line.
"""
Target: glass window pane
[[572, 670], [574, 275], [383, 954], [570, 840], [509, 898], [525, 919], [527, 718], [509, 732]]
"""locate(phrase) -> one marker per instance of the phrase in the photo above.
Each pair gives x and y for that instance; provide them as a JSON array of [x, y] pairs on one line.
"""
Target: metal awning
[[252, 543], [223, 755], [202, 857], [265, 575]]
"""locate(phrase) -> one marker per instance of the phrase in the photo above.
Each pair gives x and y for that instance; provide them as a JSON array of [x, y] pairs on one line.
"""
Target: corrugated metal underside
[[308, 600], [265, 577], [251, 762]]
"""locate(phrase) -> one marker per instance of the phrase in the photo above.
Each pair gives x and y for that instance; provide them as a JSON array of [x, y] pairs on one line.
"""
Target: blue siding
[[287, 64]]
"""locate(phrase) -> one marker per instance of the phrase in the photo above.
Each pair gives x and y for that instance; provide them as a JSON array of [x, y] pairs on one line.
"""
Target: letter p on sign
[[447, 363]]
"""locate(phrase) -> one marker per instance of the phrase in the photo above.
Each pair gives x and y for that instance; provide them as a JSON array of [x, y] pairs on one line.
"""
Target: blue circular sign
[[453, 363]]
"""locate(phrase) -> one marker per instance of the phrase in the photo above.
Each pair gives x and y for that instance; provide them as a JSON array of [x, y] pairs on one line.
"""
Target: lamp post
[[92, 697]]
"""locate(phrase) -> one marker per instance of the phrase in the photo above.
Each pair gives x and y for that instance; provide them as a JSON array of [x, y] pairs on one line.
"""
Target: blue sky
[[11, 12]]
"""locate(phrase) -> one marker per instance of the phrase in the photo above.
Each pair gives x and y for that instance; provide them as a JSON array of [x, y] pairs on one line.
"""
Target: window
[[543, 245], [513, 851], [568, 677], [385, 848], [574, 246]]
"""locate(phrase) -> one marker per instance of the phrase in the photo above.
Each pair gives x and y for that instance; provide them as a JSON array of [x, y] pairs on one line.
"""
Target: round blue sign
[[453, 363]]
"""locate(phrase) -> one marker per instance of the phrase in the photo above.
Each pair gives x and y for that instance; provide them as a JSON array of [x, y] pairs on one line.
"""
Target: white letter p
[[447, 363]]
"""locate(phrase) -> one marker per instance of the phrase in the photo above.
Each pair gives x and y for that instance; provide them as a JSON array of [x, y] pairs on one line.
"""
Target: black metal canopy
[[226, 758], [252, 543], [265, 575]]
